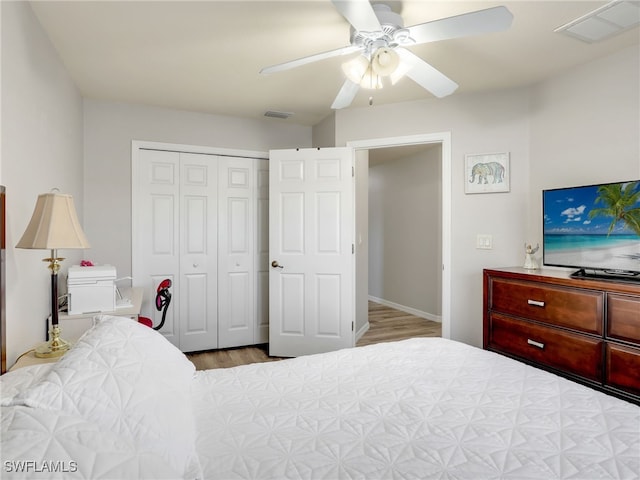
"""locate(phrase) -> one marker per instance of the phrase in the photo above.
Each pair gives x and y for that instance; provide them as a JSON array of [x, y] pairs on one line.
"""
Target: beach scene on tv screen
[[593, 226]]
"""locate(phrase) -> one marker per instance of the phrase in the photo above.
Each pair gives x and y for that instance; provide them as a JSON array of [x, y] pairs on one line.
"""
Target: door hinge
[[352, 327], [353, 248], [353, 171]]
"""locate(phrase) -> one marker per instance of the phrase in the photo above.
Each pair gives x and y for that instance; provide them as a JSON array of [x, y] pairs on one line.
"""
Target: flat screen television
[[595, 228]]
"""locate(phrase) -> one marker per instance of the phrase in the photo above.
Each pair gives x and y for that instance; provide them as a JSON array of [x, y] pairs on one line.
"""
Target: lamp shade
[[54, 225]]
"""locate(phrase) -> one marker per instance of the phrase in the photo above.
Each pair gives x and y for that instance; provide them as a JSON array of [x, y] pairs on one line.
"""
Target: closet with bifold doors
[[199, 221]]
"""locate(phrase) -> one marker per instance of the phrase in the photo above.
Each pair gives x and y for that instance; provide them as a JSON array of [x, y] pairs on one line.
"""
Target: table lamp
[[53, 225]]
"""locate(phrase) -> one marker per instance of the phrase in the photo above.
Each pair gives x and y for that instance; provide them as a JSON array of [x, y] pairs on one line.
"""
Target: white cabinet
[[196, 221], [74, 326]]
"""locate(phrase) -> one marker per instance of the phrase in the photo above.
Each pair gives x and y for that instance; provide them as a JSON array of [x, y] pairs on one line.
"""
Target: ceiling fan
[[378, 33]]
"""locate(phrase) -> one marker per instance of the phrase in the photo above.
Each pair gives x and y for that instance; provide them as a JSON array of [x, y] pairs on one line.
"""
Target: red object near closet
[[163, 299]]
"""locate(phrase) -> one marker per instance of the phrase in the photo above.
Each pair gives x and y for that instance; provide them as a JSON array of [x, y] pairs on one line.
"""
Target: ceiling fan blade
[[359, 13], [425, 75], [494, 19], [311, 58], [346, 95]]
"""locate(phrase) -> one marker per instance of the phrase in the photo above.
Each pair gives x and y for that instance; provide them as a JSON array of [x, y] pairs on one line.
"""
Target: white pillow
[[130, 380]]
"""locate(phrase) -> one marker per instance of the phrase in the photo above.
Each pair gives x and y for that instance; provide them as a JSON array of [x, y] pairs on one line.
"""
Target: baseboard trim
[[403, 308], [361, 331]]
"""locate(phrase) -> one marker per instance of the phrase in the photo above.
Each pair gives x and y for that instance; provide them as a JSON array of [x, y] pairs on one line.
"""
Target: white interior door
[[311, 246]]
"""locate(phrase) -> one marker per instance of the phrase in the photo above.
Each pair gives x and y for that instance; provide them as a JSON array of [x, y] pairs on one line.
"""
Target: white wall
[[109, 129], [41, 149], [494, 122], [405, 231], [585, 129], [325, 131]]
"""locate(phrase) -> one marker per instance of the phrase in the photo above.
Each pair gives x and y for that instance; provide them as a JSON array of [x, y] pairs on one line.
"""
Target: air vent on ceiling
[[276, 114], [611, 19]]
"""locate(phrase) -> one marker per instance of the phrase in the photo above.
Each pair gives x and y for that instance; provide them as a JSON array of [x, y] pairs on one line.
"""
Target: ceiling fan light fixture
[[378, 33], [402, 36], [385, 61], [371, 80], [355, 69]]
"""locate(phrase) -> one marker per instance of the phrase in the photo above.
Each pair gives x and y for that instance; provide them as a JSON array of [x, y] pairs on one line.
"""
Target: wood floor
[[385, 325]]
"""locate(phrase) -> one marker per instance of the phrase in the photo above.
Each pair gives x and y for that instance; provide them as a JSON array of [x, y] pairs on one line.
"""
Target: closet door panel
[[201, 221], [237, 298], [156, 225], [198, 252], [235, 252], [238, 228], [196, 225], [162, 224], [194, 288], [261, 264]]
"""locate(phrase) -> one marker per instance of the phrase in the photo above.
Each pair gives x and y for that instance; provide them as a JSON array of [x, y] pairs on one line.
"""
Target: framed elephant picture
[[486, 173]]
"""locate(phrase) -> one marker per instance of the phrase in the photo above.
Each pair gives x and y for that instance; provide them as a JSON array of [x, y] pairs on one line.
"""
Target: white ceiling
[[205, 56]]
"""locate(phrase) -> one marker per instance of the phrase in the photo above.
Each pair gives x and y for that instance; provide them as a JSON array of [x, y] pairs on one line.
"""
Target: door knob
[[275, 264]]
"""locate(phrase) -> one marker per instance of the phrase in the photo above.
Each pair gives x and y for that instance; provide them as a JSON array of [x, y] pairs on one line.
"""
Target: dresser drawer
[[623, 315], [623, 368], [572, 353], [566, 307]]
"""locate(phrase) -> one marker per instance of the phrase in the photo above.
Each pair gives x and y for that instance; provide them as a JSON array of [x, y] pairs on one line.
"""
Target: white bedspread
[[422, 408], [125, 404]]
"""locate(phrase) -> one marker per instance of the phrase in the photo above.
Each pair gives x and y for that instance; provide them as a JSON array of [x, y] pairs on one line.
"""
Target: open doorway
[[405, 228], [375, 150]]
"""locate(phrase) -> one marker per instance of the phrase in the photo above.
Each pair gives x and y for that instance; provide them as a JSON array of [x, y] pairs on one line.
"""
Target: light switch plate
[[484, 241]]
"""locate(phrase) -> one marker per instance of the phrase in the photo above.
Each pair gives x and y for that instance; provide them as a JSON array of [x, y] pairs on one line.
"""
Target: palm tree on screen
[[621, 202]]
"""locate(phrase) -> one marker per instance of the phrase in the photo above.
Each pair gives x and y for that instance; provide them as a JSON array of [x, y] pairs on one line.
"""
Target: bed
[[124, 403]]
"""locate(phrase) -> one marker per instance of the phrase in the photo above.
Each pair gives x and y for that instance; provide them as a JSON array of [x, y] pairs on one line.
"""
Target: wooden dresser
[[587, 330]]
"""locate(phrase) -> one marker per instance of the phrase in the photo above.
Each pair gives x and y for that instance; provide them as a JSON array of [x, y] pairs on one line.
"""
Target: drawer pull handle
[[535, 344], [537, 303]]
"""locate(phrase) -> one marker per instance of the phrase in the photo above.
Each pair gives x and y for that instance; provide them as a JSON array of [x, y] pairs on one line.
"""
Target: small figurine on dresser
[[529, 261]]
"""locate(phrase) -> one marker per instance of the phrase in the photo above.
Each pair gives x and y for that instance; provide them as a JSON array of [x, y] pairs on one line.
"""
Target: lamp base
[[55, 347]]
